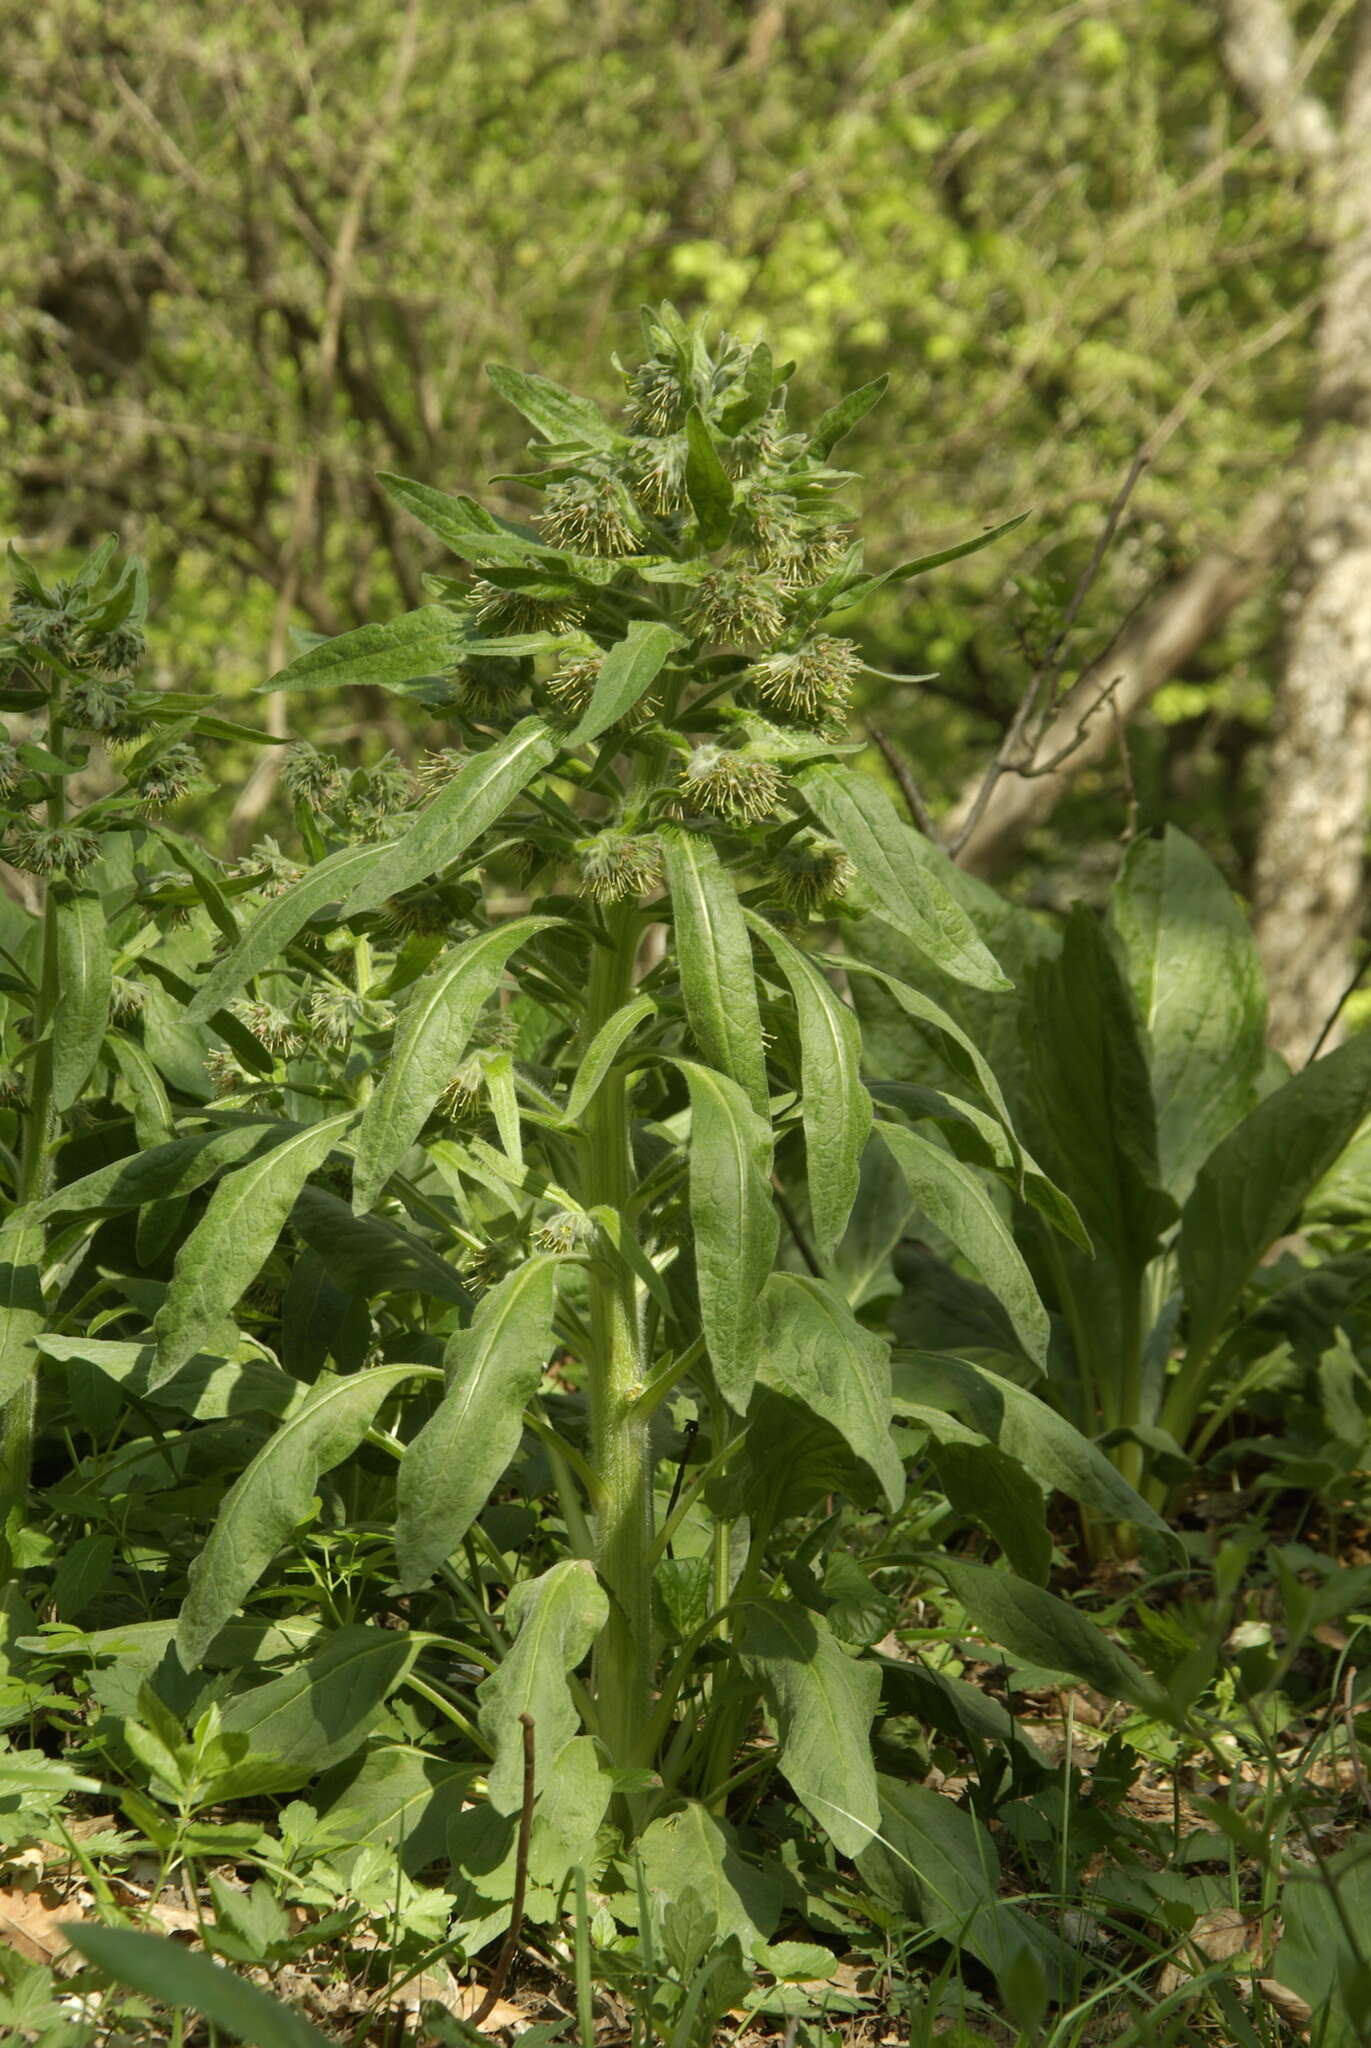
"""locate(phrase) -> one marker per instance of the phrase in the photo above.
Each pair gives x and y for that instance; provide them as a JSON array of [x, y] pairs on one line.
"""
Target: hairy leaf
[[1035, 1625], [733, 1223], [558, 1617], [278, 921], [162, 1969], [372, 1256], [316, 1714], [816, 1353], [823, 1702], [717, 979], [84, 978], [626, 672], [427, 642]]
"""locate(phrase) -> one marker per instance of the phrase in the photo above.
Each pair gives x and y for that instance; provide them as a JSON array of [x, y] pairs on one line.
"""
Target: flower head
[[98, 704], [487, 686], [657, 467], [308, 776], [810, 870], [167, 779], [731, 783], [544, 609], [613, 865], [50, 849], [736, 605], [565, 1231], [590, 514], [814, 683]]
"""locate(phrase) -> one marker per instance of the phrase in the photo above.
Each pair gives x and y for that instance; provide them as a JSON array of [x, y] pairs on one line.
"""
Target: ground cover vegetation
[[622, 1389]]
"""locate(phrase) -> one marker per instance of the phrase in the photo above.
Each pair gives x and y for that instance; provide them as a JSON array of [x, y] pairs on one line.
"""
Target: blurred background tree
[[254, 254]]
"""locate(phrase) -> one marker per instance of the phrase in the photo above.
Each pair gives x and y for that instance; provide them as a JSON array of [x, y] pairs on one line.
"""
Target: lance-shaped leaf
[[462, 810], [277, 922], [715, 959], [234, 1239], [430, 1038], [494, 1368], [83, 991], [601, 1053], [1252, 1187], [863, 586], [371, 1255], [21, 1299], [174, 1169], [733, 1223], [823, 1702], [835, 1105], [275, 1495], [559, 416], [626, 671], [558, 1617], [956, 1199], [316, 1714], [176, 1976], [816, 1353], [841, 418], [1036, 1626], [427, 642], [707, 482], [855, 811]]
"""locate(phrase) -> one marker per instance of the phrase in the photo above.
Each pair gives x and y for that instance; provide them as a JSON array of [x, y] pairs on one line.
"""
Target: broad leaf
[[715, 957], [625, 673], [1025, 1428], [823, 1702], [83, 991], [558, 1617], [430, 1038], [205, 1388], [1041, 1629], [162, 1969], [398, 1796], [316, 1714], [455, 1462], [427, 642], [235, 1237], [1197, 980], [275, 1495], [855, 811], [707, 482], [1252, 1187], [733, 1223], [956, 1199], [462, 810], [21, 1299], [695, 1848], [835, 1106], [172, 1170], [558, 415], [371, 1256], [995, 1491], [278, 921], [816, 1353]]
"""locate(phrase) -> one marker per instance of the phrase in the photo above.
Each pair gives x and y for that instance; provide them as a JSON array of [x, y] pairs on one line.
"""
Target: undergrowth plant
[[521, 1242]]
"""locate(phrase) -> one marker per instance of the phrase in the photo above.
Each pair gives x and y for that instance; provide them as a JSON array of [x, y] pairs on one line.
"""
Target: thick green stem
[[35, 1170], [621, 1456]]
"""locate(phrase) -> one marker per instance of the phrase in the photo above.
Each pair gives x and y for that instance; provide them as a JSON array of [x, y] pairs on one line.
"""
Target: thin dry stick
[[257, 791], [1130, 787], [904, 776], [1044, 676], [504, 1961], [1353, 1743]]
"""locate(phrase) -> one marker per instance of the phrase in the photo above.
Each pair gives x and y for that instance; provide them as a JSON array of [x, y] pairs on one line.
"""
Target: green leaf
[[558, 415], [455, 1462], [206, 1388], [964, 1054], [854, 810], [816, 1353], [462, 810], [235, 1237], [22, 1314], [398, 1796], [707, 482], [956, 1199], [759, 381], [1024, 1428], [372, 1256], [823, 1702], [474, 534], [426, 642], [835, 1106], [600, 1055], [693, 1848], [431, 1035], [1197, 980], [715, 958], [1251, 1188], [937, 1865], [733, 1223], [1041, 1629], [841, 418], [175, 1169], [629, 667], [316, 1714], [922, 563], [995, 1491], [1096, 1131], [275, 1495], [83, 991], [162, 1969], [558, 1617], [277, 922]]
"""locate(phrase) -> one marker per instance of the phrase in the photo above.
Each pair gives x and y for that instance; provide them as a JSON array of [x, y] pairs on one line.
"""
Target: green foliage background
[[1059, 224]]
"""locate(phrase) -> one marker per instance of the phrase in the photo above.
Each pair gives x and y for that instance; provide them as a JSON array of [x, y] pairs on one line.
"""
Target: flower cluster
[[613, 865]]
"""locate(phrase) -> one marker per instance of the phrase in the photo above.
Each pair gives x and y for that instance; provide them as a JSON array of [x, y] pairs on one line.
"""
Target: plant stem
[[35, 1163], [622, 1668]]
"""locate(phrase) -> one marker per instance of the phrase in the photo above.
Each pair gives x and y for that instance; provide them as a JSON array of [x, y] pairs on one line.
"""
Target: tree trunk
[[1308, 880]]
